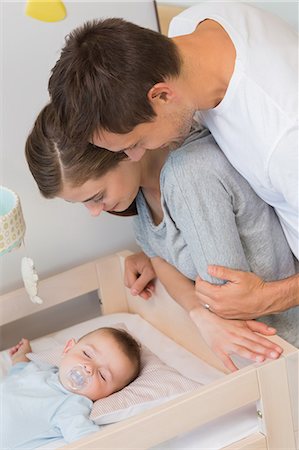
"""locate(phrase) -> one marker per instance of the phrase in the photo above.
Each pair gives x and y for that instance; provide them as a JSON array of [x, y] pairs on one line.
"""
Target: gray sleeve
[[213, 216], [203, 208]]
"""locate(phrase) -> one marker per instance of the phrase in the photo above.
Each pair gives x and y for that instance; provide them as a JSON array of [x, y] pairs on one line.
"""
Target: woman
[[193, 208]]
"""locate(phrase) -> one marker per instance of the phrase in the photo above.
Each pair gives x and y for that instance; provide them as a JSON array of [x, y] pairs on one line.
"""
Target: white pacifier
[[78, 378]]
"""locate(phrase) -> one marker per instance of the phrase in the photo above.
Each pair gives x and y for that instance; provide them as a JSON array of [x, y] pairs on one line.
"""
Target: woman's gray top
[[213, 216]]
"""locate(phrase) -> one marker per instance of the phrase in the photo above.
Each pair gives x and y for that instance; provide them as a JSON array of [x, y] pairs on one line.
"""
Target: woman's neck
[[151, 166]]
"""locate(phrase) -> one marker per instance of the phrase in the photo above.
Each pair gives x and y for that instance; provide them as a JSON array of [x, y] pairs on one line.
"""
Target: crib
[[272, 386]]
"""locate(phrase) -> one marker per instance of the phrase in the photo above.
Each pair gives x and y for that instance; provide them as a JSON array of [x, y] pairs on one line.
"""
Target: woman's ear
[[70, 344], [160, 92]]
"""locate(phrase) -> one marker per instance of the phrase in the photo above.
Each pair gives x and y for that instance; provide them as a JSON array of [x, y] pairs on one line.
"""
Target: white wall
[[58, 235], [287, 10]]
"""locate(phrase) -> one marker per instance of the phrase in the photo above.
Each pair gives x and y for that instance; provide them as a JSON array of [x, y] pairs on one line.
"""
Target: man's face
[[165, 131]]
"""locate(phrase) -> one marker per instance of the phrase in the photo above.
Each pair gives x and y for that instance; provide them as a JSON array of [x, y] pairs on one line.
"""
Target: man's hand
[[139, 275], [245, 295], [227, 337]]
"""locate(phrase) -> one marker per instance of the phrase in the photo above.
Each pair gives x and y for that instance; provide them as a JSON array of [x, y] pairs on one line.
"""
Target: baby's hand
[[18, 352]]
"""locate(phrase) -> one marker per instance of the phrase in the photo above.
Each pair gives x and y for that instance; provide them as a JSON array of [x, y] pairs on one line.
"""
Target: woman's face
[[114, 191]]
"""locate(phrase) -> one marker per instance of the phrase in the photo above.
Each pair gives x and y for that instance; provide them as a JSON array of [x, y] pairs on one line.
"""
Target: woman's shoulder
[[199, 155]]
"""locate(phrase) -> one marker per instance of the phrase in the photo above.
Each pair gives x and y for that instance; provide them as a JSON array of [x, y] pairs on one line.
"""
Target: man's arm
[[223, 336], [245, 295]]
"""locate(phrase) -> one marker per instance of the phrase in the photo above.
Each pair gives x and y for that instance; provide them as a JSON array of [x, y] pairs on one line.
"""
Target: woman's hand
[[226, 337], [139, 275]]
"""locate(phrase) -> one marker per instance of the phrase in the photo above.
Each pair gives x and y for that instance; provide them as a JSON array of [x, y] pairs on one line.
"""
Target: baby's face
[[102, 361]]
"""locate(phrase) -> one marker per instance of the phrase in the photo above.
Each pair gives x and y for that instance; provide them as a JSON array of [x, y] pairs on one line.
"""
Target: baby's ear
[[70, 344]]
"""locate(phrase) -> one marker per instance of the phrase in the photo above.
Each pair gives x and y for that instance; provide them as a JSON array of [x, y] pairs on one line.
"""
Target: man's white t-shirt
[[256, 123]]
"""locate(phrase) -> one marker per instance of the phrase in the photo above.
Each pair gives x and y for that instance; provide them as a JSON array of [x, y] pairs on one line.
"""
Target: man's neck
[[208, 56]]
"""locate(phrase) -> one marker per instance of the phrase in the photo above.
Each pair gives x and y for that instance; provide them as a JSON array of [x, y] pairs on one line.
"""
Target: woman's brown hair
[[53, 162]]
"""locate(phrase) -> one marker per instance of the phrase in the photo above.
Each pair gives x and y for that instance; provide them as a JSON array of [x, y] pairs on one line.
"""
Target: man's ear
[[70, 344], [160, 92]]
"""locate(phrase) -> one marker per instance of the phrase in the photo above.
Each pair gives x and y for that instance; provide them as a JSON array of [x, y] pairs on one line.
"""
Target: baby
[[43, 403]]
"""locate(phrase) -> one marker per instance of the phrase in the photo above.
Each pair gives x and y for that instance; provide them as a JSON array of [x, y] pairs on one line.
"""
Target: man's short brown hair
[[104, 73]]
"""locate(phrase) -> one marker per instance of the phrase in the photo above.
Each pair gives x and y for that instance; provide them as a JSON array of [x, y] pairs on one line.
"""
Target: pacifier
[[78, 378]]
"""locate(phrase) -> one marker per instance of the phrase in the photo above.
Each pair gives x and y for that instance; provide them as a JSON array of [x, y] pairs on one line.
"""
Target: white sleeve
[[283, 168]]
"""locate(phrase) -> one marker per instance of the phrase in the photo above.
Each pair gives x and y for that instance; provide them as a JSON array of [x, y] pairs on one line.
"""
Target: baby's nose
[[88, 369]]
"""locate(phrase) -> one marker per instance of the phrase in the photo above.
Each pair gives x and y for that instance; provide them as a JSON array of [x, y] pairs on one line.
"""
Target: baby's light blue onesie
[[36, 409]]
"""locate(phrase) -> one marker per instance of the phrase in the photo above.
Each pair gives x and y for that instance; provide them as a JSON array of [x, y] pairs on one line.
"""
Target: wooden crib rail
[[176, 416], [267, 384], [207, 403], [63, 287], [160, 311]]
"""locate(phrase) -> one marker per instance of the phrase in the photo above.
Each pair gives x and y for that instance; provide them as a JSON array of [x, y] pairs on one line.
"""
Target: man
[[233, 68]]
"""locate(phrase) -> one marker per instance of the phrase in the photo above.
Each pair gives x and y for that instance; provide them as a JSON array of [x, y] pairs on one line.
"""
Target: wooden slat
[[292, 365], [166, 13], [53, 290], [256, 441], [111, 285], [277, 422]]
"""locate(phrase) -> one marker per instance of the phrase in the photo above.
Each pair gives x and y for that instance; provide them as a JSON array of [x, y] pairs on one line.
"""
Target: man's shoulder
[[187, 20]]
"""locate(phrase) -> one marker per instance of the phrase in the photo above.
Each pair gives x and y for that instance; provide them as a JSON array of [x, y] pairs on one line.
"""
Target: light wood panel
[[165, 13]]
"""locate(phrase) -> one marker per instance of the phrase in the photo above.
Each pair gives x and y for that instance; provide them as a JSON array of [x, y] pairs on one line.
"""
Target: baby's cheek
[[96, 392]]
